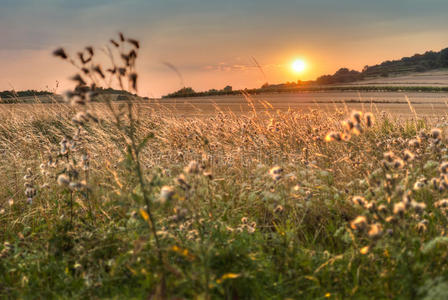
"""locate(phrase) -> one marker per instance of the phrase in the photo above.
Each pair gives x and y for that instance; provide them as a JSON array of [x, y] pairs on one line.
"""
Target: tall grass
[[132, 202]]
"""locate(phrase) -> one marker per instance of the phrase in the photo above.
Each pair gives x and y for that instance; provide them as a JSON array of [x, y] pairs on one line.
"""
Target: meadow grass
[[123, 201]]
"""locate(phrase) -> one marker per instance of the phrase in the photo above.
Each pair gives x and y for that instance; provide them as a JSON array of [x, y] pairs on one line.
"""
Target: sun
[[298, 66]]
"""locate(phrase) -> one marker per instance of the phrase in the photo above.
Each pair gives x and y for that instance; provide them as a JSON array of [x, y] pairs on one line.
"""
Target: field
[[235, 198]]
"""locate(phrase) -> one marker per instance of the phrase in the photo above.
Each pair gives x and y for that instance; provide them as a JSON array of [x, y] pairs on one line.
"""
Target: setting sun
[[298, 65]]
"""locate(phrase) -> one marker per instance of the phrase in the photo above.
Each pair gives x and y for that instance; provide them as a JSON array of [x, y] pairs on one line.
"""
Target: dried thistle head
[[359, 200], [166, 193], [436, 133], [389, 156], [375, 230], [356, 116], [399, 209], [60, 52], [359, 223], [408, 155], [369, 119], [333, 136], [63, 180]]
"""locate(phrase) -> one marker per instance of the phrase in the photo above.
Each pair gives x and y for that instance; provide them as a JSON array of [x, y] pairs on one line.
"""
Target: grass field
[[269, 204], [292, 196]]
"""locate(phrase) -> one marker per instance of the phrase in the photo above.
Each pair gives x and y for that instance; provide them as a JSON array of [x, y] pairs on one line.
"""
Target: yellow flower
[[364, 250], [228, 276], [327, 295], [144, 214]]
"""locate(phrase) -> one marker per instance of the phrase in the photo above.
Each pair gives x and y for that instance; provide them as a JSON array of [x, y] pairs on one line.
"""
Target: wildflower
[[398, 163], [357, 129], [276, 172], [435, 183], [356, 116], [418, 185], [278, 209], [382, 209], [369, 118], [444, 167], [389, 156], [348, 124], [244, 220], [408, 156], [371, 206], [436, 133], [419, 207], [399, 209], [63, 180], [441, 203], [364, 250], [406, 199], [192, 168], [375, 231], [30, 192], [333, 136], [421, 227], [182, 182], [166, 193], [359, 223], [391, 219], [415, 143], [359, 200]]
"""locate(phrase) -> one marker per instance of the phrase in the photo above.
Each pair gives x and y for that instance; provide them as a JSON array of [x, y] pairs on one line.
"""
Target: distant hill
[[420, 72], [428, 61], [46, 96]]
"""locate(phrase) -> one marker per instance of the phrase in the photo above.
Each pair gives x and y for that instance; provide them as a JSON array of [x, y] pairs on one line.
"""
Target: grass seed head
[[360, 223], [63, 180], [166, 193]]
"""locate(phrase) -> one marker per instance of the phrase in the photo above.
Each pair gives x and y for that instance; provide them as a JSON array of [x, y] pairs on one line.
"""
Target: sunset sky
[[212, 42]]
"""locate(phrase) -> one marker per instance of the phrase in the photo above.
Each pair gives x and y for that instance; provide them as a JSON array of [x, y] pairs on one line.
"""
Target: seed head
[[333, 136], [408, 156], [382, 209], [370, 119], [399, 209], [419, 207], [421, 227], [389, 156], [444, 167], [276, 172], [375, 230], [63, 180], [360, 223], [60, 52], [415, 143], [441, 203], [398, 163], [436, 133], [359, 200], [278, 209], [166, 193], [356, 116], [135, 43], [192, 168]]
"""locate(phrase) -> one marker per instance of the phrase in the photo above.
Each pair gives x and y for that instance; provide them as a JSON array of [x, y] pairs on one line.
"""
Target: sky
[[213, 43]]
